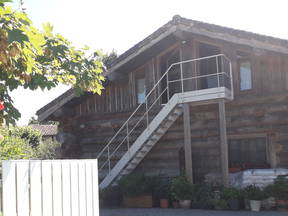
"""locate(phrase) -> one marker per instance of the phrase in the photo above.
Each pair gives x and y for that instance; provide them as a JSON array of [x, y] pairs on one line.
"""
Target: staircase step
[[161, 130], [158, 133]]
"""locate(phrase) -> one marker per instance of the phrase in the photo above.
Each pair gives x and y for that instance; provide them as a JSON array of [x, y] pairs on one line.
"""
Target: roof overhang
[[175, 30]]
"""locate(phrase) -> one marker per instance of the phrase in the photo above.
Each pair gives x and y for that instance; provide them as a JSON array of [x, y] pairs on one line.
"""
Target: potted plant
[[231, 195], [182, 190], [279, 190], [164, 191], [255, 195], [219, 204], [203, 192], [137, 191]]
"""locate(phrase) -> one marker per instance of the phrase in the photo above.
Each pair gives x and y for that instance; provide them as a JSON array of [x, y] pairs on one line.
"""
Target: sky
[[118, 25]]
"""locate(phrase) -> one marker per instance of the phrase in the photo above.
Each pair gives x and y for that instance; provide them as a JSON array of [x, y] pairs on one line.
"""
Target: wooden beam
[[187, 142], [223, 143]]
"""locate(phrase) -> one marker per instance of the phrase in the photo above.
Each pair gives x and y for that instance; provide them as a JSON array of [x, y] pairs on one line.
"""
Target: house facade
[[190, 98]]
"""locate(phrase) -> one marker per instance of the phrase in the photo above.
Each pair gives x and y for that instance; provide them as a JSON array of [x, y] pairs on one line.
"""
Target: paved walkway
[[184, 212]]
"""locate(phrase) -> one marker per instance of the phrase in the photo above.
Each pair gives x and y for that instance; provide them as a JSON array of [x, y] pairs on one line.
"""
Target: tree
[[34, 58], [33, 120]]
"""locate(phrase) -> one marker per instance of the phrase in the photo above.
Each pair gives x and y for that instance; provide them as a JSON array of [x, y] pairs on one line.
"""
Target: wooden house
[[191, 98]]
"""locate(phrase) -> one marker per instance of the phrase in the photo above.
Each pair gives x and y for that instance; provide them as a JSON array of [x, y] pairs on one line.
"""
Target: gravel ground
[[183, 212]]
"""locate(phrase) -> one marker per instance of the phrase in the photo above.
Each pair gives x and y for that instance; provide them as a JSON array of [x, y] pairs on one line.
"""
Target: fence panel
[[9, 189], [50, 188], [74, 188], [47, 194], [57, 188], [35, 188], [66, 188], [22, 187]]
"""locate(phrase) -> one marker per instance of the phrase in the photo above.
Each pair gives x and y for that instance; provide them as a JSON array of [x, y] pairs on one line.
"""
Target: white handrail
[[125, 124]]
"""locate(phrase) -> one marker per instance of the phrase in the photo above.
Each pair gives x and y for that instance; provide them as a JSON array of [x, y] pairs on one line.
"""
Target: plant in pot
[[137, 191], [279, 190], [255, 196], [203, 192], [231, 195], [182, 190], [163, 192], [219, 204]]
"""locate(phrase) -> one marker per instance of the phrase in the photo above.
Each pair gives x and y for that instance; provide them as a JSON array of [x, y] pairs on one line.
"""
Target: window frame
[[241, 61], [254, 136], [140, 76]]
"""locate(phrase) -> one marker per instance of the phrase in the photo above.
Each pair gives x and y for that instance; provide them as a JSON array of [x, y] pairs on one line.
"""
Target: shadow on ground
[[183, 212]]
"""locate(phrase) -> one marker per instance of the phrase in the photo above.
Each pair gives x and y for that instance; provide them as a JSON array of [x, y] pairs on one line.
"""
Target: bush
[[111, 196], [203, 192], [182, 189], [279, 189], [32, 136], [229, 193], [47, 149], [137, 184], [26, 143], [253, 192], [14, 148]]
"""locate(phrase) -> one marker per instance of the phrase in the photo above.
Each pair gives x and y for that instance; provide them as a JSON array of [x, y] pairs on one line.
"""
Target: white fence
[[50, 188]]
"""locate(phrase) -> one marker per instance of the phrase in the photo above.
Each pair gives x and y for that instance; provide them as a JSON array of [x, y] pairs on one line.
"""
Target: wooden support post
[[187, 143], [223, 143]]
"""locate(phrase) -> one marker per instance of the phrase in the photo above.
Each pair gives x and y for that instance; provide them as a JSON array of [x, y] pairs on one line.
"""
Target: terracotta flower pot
[[164, 203], [185, 204]]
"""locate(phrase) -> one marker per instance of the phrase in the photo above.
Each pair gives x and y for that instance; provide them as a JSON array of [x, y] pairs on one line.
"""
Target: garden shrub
[[26, 143], [12, 147], [47, 149]]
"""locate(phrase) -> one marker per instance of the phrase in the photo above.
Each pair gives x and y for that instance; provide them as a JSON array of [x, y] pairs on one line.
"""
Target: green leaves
[[2, 2], [34, 58], [17, 35]]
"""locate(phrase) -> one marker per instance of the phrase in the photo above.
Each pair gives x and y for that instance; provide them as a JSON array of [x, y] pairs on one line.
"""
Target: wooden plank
[[74, 188], [66, 188], [47, 192], [82, 189], [22, 182], [89, 191], [223, 143], [95, 188], [57, 188], [9, 188], [187, 143], [35, 189]]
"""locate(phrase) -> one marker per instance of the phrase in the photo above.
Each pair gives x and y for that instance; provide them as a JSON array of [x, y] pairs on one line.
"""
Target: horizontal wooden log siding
[[261, 110]]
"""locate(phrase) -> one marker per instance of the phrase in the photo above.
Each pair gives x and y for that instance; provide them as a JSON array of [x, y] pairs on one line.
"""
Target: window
[[248, 153], [140, 90], [245, 75]]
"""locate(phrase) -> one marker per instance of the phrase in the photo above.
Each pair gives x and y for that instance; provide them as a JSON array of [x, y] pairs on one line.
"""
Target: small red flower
[[2, 105]]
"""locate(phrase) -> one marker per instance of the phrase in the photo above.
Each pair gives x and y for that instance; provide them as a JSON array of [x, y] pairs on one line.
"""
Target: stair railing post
[[217, 69], [128, 143], [231, 79], [167, 80], [195, 72], [147, 116], [109, 165], [181, 72]]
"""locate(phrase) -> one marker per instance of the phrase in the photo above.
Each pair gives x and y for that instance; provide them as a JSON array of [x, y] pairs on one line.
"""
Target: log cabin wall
[[259, 112]]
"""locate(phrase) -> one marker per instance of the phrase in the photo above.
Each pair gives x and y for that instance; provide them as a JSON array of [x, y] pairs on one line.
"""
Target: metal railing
[[179, 77]]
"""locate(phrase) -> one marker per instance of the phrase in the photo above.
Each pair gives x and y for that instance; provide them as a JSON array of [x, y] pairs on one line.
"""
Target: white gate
[[50, 188]]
